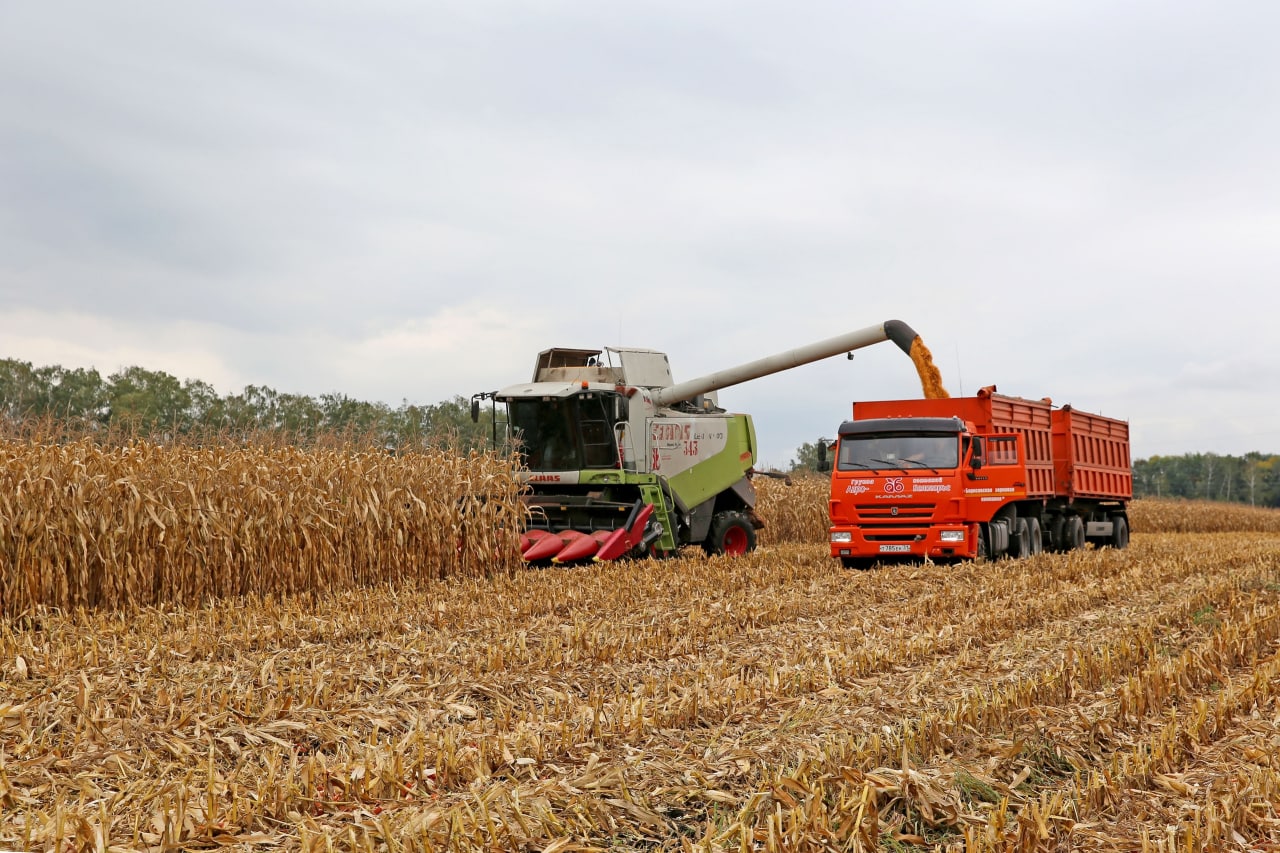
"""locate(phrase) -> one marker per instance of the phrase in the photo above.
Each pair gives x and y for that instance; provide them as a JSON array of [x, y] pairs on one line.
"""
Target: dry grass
[[1093, 701], [1099, 700]]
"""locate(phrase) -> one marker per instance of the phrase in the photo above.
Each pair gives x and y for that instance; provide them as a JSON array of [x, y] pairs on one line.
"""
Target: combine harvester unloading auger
[[622, 461]]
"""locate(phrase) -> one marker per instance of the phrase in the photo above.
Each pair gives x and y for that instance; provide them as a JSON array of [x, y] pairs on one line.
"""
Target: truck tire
[[731, 533], [1074, 534], [1033, 531], [984, 551], [1057, 533], [1119, 532], [1020, 541]]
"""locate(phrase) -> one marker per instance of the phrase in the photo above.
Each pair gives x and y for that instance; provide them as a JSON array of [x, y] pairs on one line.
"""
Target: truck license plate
[[895, 549]]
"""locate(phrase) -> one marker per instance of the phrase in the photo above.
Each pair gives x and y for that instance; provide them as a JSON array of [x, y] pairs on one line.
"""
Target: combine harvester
[[621, 460]]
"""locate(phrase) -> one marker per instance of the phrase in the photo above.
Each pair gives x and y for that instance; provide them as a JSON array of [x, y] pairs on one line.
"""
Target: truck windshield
[[904, 451], [563, 433]]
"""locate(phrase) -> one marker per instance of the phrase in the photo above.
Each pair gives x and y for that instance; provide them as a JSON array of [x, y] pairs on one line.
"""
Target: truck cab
[[917, 487]]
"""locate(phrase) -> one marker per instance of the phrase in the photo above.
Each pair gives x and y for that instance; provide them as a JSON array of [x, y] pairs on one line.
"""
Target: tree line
[[157, 404], [1253, 478], [137, 401]]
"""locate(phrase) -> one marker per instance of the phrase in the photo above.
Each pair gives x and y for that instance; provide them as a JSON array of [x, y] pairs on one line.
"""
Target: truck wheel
[[1058, 533], [1119, 532], [1020, 542], [1074, 532], [1033, 532], [984, 552], [731, 533]]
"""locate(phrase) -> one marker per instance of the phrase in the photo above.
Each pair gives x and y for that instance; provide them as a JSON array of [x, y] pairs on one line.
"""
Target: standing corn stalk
[[146, 524]]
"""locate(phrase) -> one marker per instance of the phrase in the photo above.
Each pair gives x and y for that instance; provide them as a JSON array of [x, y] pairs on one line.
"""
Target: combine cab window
[[564, 433], [900, 451]]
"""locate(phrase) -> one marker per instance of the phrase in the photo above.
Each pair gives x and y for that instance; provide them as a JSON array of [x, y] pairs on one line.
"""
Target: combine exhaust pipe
[[891, 330]]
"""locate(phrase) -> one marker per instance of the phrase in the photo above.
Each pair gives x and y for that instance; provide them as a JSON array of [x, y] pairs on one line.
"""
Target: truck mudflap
[[571, 546]]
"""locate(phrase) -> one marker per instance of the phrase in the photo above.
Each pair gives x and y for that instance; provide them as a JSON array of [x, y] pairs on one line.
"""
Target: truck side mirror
[[824, 464], [976, 461]]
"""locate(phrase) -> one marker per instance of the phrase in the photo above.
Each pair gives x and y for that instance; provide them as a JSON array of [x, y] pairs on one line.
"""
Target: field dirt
[[1098, 700]]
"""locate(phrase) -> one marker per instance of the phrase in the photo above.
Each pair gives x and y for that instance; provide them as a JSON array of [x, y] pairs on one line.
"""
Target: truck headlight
[[951, 536], [841, 536]]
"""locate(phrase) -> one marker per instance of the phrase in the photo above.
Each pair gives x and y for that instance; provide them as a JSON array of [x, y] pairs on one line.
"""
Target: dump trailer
[[970, 477], [618, 459]]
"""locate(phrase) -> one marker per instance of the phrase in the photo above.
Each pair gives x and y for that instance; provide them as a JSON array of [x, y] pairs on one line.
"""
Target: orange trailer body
[[1091, 455]]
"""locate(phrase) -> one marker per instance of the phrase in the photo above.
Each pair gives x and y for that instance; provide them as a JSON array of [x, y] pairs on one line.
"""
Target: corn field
[[86, 526], [1097, 700]]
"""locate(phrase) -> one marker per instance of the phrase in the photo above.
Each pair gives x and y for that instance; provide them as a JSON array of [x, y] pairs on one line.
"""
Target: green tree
[[809, 456], [449, 421], [22, 390], [77, 395], [150, 399], [298, 414]]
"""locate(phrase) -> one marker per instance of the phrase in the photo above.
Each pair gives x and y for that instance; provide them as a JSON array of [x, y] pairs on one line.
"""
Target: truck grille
[[895, 514], [894, 537]]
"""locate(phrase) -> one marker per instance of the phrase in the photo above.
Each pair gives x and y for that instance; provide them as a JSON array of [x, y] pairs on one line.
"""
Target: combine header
[[621, 460]]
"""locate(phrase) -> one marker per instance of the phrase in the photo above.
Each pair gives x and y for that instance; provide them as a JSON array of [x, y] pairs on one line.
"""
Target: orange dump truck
[[967, 477]]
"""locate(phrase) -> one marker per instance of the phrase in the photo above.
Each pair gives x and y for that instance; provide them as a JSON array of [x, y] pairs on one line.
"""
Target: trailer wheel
[[1075, 539], [1057, 533], [1033, 532], [1119, 532], [731, 533], [1020, 542]]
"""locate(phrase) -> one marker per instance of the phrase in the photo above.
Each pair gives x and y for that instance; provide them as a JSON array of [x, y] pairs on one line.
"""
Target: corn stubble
[[1098, 700]]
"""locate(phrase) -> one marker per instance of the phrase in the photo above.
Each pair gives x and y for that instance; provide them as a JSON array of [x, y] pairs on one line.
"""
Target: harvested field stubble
[[1098, 700]]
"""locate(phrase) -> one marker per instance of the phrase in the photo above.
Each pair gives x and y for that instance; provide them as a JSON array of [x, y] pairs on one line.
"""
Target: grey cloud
[[1067, 199]]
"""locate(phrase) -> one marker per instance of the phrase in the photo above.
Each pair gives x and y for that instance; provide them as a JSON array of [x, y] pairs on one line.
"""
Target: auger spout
[[891, 330]]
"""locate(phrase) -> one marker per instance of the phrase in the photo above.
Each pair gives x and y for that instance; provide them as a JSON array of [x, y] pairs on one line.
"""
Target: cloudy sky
[[406, 201]]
